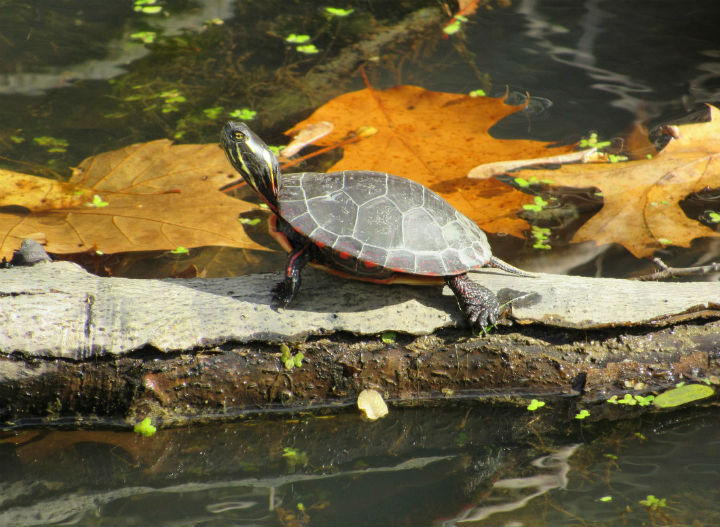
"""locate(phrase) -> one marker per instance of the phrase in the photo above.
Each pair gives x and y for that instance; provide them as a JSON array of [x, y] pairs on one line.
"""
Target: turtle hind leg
[[480, 305], [284, 292]]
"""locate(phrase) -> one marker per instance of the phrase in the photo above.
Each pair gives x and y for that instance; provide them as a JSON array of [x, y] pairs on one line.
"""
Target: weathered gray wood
[[60, 310], [73, 344]]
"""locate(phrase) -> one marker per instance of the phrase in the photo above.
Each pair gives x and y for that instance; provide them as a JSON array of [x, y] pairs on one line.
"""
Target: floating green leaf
[[180, 250], [147, 37], [683, 395], [453, 27], [250, 221], [592, 142], [535, 404], [336, 11], [539, 205], [97, 202], [295, 456], [582, 414], [477, 93], [53, 144], [213, 113], [389, 337], [308, 49], [17, 140], [292, 38], [651, 502], [145, 427], [605, 499], [244, 114]]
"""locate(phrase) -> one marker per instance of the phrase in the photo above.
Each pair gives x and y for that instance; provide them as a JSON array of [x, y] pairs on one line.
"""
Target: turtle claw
[[282, 295], [480, 305]]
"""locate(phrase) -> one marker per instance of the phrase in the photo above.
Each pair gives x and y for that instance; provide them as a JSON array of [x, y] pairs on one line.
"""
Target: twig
[[670, 272]]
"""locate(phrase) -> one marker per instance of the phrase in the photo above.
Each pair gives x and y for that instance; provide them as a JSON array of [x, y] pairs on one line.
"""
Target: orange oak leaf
[[641, 198], [434, 138], [149, 196]]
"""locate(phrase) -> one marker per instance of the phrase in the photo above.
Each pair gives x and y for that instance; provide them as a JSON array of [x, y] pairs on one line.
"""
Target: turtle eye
[[238, 136]]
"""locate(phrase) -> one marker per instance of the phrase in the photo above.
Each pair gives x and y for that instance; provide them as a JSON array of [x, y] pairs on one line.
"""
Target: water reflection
[[469, 464]]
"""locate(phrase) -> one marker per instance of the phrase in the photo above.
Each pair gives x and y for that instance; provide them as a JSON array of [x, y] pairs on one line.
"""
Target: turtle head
[[252, 158]]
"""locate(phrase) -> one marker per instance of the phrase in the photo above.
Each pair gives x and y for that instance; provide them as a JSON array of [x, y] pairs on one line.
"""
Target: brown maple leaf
[[434, 138], [149, 196], [641, 198]]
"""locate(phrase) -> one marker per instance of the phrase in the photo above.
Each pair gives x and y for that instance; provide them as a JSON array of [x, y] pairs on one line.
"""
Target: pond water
[[77, 79]]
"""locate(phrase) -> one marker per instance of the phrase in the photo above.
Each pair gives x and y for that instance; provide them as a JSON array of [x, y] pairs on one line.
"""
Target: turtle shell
[[382, 220]]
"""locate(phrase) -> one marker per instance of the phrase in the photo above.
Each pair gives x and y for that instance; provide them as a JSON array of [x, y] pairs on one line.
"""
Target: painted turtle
[[366, 225]]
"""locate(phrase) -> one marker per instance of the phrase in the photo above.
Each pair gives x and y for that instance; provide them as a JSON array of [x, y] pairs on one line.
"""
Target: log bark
[[74, 345]]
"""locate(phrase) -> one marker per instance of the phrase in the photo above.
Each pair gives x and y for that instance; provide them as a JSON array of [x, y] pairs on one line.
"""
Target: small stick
[[669, 272]]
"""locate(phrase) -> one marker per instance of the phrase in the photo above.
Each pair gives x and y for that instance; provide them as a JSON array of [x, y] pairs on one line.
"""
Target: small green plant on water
[[213, 113], [292, 38], [180, 250], [592, 142], [538, 206], [535, 405], [277, 149], [338, 12], [146, 37], [478, 93], [52, 144], [389, 337], [616, 159], [611, 456], [582, 414], [148, 7], [665, 241], [294, 456], [714, 217], [17, 139], [632, 400], [455, 25], [308, 49], [249, 221], [244, 114], [97, 201], [289, 360], [653, 503], [605, 499], [540, 235], [145, 427], [171, 98]]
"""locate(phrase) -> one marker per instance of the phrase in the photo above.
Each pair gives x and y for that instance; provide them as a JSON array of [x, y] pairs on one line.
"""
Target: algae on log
[[74, 344]]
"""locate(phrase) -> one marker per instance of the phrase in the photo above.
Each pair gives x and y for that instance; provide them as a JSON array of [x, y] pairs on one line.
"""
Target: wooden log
[[74, 344]]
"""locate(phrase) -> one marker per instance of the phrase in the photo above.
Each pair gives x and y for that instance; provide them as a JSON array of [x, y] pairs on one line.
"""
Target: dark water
[[467, 464], [72, 72]]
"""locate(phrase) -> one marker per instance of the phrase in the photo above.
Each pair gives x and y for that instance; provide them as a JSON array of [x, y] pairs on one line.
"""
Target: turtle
[[366, 225]]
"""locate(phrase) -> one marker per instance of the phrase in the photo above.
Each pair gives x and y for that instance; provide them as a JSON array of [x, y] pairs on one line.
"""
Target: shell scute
[[364, 186]]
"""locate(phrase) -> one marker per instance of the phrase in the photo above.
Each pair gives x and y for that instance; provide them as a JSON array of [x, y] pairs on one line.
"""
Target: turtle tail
[[504, 266]]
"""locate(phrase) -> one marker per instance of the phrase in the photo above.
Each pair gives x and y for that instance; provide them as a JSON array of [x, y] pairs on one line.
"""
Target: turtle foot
[[282, 295], [480, 305]]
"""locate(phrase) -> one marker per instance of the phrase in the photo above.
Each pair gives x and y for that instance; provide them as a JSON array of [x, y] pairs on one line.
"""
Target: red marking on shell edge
[[370, 265], [320, 245], [344, 255]]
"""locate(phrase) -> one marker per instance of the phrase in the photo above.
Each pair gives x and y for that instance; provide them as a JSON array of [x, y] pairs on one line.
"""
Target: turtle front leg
[[284, 292], [480, 305]]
